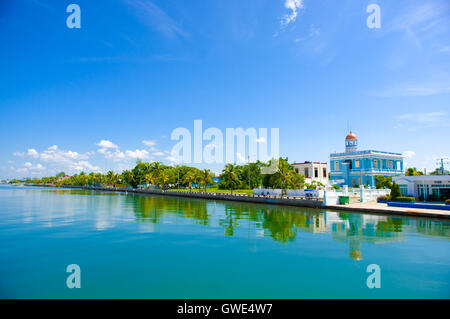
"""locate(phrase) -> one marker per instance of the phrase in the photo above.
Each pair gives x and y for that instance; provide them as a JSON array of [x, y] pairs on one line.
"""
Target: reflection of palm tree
[[280, 224], [228, 223]]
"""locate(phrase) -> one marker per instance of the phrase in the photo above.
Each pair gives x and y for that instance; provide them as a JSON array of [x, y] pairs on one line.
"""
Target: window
[[375, 163], [336, 165], [316, 172], [324, 172], [356, 163], [391, 165], [404, 189], [306, 172], [349, 162]]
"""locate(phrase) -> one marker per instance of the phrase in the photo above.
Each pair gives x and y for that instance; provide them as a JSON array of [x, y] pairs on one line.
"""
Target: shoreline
[[367, 208]]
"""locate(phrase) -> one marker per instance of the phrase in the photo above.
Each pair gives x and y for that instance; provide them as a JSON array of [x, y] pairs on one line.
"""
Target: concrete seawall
[[260, 199], [367, 208]]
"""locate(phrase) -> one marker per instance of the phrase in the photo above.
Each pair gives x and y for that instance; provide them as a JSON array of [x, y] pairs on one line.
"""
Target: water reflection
[[282, 224]]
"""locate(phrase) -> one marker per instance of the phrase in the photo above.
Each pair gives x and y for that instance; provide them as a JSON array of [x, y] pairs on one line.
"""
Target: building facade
[[354, 167], [313, 171], [424, 187]]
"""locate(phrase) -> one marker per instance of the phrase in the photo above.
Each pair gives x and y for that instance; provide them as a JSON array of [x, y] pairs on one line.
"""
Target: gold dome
[[351, 136]]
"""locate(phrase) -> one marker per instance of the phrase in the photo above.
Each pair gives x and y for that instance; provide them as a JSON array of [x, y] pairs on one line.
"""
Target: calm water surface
[[134, 246]]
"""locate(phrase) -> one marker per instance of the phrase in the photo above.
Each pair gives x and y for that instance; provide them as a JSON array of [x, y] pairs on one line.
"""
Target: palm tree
[[285, 176], [206, 177], [163, 178], [155, 169], [110, 178], [189, 178], [198, 178], [148, 178], [230, 176]]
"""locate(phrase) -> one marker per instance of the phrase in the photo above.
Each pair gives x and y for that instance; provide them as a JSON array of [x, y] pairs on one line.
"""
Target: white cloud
[[260, 140], [154, 17], [30, 167], [421, 23], [173, 159], [84, 165], [149, 143], [293, 6], [158, 154], [424, 89], [19, 154], [409, 154], [115, 155], [33, 153], [425, 118], [53, 154], [106, 144], [141, 154]]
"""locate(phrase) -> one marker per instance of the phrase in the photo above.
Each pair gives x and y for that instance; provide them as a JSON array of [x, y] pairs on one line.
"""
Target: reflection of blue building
[[354, 167]]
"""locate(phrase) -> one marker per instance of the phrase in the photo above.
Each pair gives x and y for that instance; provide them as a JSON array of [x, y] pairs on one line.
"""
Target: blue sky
[[136, 70]]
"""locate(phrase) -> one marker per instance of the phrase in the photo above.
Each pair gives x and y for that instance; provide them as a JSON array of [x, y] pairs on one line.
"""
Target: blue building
[[354, 168]]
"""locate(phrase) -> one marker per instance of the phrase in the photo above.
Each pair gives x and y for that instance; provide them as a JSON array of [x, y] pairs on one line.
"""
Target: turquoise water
[[135, 246]]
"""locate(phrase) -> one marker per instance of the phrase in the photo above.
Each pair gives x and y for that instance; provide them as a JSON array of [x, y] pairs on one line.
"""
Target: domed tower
[[351, 142]]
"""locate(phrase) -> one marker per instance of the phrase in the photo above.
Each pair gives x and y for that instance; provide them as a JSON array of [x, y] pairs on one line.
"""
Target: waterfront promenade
[[367, 207], [383, 208]]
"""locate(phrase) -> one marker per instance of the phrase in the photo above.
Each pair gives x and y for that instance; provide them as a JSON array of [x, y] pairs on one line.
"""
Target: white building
[[313, 171], [424, 186]]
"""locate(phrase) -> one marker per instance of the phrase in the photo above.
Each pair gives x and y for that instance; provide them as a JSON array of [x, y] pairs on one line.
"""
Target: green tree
[[128, 178], [230, 177], [140, 172], [62, 174], [163, 178], [286, 176], [206, 177], [395, 191], [112, 178], [383, 181], [198, 178], [412, 171], [189, 178]]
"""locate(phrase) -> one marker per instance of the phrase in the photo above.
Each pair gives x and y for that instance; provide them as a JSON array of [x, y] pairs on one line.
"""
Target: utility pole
[[441, 162]]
